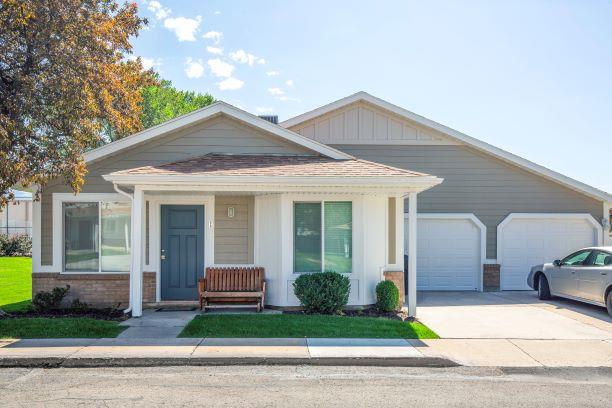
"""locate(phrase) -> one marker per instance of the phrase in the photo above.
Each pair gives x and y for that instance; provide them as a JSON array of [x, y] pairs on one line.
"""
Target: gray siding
[[234, 236], [217, 135], [479, 184]]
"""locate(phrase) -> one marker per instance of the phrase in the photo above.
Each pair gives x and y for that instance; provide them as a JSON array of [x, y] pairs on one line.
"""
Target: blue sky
[[531, 77]]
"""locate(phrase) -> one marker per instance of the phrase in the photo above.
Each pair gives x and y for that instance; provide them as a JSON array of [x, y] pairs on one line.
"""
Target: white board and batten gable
[[363, 123]]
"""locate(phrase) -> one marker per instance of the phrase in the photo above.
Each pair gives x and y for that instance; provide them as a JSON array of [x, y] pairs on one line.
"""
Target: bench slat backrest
[[234, 279]]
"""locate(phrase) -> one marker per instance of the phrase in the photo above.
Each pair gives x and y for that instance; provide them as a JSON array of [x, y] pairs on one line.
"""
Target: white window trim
[[549, 216], [58, 226], [322, 202], [479, 224]]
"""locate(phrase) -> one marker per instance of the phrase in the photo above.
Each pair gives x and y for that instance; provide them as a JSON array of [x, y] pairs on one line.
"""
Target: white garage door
[[448, 253], [525, 242]]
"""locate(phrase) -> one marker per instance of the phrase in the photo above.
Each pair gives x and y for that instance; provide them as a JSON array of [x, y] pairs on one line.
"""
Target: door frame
[[457, 216], [547, 216], [155, 238]]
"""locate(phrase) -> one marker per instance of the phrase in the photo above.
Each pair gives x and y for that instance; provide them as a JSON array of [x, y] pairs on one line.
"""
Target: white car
[[585, 275]]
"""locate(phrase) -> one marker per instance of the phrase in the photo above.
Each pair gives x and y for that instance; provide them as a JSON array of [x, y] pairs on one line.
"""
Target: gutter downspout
[[131, 197]]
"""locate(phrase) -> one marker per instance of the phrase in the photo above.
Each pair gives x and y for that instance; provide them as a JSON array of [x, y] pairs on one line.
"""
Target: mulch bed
[[100, 314], [370, 312]]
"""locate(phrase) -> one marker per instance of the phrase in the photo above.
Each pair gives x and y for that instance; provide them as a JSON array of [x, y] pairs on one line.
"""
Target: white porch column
[[136, 264], [607, 238], [412, 254]]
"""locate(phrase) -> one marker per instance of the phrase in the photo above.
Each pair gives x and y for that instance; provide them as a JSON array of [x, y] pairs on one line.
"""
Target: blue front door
[[182, 251]]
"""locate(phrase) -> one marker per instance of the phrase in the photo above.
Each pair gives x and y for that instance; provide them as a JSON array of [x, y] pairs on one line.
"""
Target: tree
[[163, 102], [63, 76]]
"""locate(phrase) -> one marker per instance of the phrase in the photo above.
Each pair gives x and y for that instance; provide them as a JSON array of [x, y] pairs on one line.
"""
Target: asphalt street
[[305, 386]]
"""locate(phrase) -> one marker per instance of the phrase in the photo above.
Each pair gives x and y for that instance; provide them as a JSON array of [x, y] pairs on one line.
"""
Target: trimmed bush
[[387, 296], [322, 293], [45, 301], [15, 245]]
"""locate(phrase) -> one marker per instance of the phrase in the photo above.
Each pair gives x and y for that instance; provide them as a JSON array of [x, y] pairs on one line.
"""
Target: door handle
[[163, 257], [604, 273]]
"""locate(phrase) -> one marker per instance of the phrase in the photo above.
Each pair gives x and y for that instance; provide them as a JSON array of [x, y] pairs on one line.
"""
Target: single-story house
[[350, 187], [16, 216]]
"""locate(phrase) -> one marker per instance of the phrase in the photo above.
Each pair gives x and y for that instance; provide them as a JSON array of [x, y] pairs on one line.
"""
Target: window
[[600, 259], [323, 237], [576, 259], [96, 236]]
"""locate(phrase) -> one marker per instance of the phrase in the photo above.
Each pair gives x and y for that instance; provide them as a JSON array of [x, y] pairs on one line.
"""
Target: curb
[[55, 362]]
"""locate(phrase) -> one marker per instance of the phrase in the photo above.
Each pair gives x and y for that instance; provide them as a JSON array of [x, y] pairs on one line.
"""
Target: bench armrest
[[201, 285]]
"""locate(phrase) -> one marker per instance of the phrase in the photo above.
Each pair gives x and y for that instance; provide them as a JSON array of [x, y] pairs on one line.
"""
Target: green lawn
[[290, 325], [61, 327], [15, 295], [15, 283]]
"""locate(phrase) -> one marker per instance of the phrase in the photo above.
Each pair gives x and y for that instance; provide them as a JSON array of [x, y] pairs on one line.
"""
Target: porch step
[[172, 305]]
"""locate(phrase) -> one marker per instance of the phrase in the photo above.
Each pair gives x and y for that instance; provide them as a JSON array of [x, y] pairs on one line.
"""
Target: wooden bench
[[243, 285]]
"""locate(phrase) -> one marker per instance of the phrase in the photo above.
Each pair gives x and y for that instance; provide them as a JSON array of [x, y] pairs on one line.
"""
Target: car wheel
[[609, 303], [543, 288]]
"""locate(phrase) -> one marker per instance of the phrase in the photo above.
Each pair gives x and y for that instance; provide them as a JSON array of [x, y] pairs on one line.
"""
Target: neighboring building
[[322, 191], [16, 216]]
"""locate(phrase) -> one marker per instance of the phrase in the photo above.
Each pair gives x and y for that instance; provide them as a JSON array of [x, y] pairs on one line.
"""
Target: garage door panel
[[448, 254], [525, 242]]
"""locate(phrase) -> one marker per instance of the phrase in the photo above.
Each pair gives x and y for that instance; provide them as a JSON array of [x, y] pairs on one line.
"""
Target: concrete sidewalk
[[314, 351]]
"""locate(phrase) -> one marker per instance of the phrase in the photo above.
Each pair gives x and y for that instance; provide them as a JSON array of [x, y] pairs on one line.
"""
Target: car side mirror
[[557, 262]]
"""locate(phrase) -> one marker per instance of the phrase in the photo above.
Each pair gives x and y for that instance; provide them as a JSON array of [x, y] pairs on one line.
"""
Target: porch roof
[[270, 169], [272, 165]]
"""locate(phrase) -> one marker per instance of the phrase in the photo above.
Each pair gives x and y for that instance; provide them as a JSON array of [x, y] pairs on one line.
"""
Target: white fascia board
[[208, 112], [461, 137], [419, 181]]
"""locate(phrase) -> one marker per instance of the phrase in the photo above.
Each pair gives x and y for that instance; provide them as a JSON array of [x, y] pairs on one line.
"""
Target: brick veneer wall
[[397, 277], [490, 277], [96, 289]]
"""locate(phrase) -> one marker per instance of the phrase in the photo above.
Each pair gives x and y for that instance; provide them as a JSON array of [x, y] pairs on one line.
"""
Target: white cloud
[[185, 29], [216, 13], [272, 73], [148, 63], [216, 36], [230, 84], [243, 57], [194, 68], [220, 68], [276, 91], [160, 11], [289, 82], [264, 109], [214, 50]]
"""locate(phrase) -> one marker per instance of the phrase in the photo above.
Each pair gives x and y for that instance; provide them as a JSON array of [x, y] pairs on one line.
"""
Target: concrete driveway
[[511, 315]]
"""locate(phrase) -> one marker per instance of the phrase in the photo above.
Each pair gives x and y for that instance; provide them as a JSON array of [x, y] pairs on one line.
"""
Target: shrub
[[15, 245], [387, 296], [44, 301], [324, 293], [79, 306]]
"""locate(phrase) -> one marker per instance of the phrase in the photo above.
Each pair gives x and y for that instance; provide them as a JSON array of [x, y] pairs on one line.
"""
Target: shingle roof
[[272, 165]]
